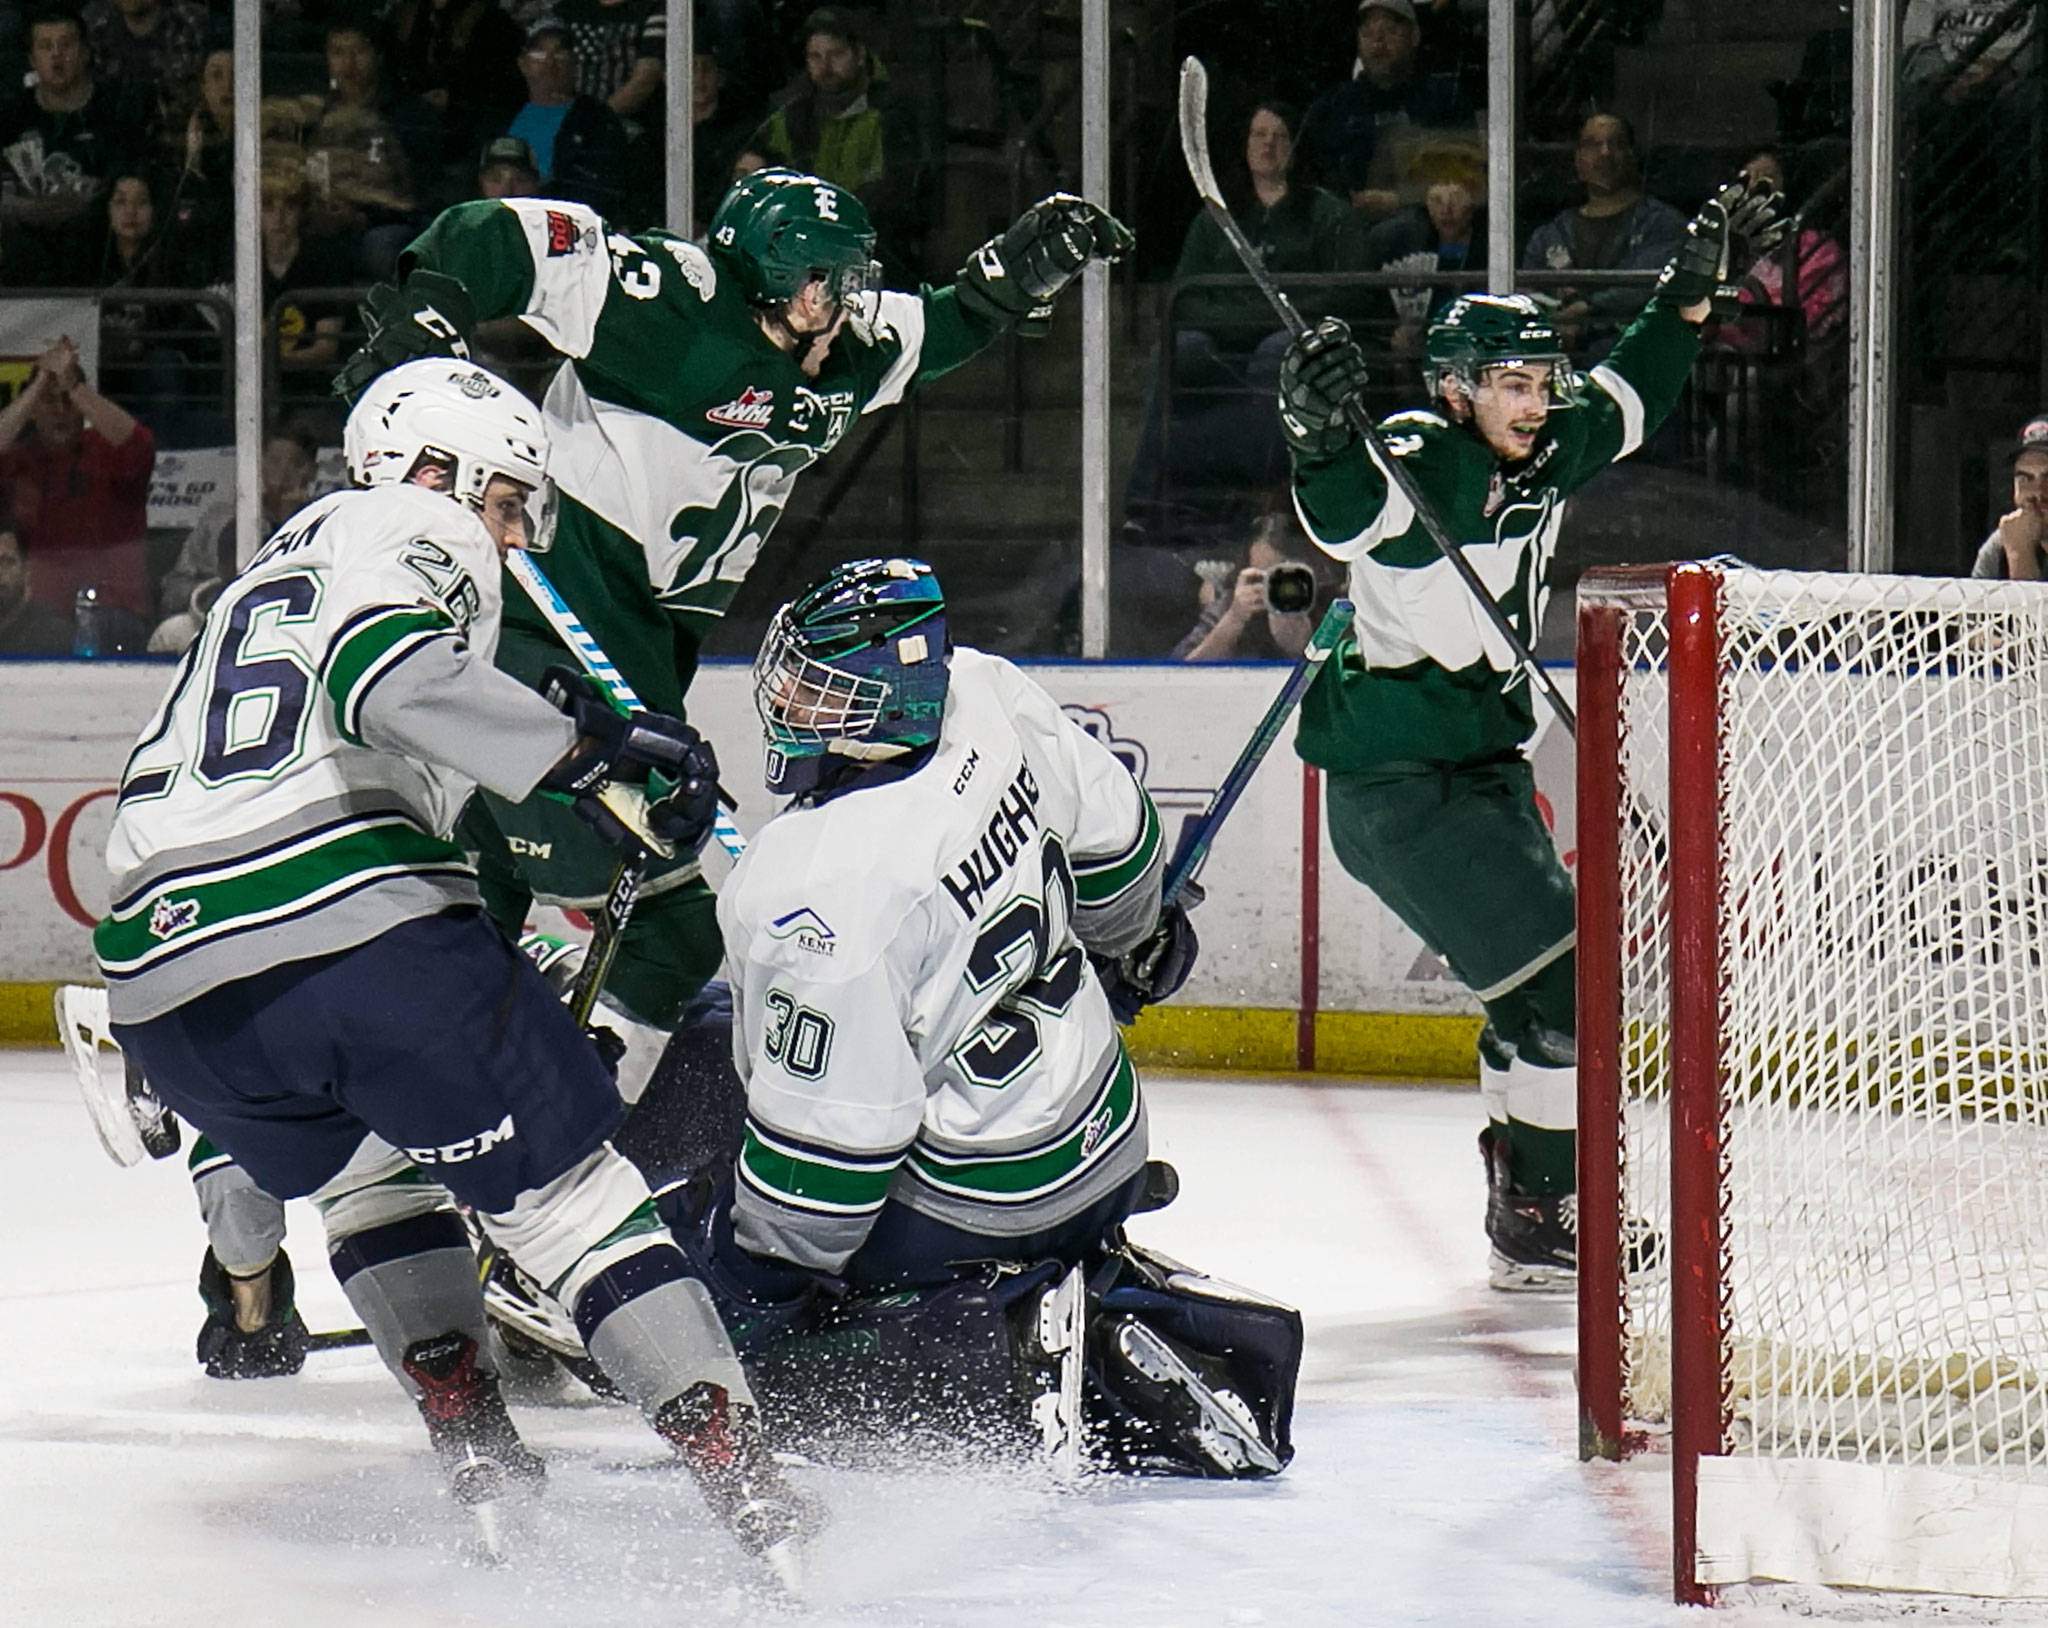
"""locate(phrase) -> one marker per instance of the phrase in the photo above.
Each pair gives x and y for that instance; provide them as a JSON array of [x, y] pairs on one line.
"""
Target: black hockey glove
[[226, 1350], [430, 314], [1321, 371], [1157, 966], [616, 754], [1012, 280], [1739, 224]]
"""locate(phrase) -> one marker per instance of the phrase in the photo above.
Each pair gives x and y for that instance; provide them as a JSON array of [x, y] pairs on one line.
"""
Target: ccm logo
[[472, 1147]]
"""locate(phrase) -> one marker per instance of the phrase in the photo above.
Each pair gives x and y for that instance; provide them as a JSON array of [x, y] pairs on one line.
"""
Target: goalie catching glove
[[429, 314], [618, 754], [1157, 966], [1319, 375], [1738, 225], [1012, 280]]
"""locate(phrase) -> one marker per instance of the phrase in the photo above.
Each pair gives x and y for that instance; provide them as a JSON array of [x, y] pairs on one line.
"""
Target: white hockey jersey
[[915, 1016], [295, 792]]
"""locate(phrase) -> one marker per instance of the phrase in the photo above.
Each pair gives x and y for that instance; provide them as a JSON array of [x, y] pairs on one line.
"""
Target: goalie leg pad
[[1188, 1375]]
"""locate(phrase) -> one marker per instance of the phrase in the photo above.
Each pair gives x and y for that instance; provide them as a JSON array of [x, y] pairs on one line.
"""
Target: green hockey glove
[[1739, 224], [1011, 281], [1321, 371], [429, 314]]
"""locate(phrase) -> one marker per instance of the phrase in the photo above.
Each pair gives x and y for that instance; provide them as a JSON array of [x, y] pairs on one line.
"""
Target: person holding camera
[[1260, 611]]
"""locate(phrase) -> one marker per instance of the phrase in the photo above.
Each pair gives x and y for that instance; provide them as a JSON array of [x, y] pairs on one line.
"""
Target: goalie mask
[[456, 416], [1481, 332], [854, 671]]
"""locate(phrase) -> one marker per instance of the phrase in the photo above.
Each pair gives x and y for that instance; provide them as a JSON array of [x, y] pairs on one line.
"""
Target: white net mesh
[[1883, 1017]]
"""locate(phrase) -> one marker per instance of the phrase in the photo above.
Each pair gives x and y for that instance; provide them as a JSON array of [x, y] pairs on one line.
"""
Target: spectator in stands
[[1350, 137], [2018, 543], [208, 558], [59, 144], [845, 124], [150, 51], [1446, 232], [507, 170], [1238, 621], [723, 124], [1820, 278], [28, 627], [295, 258], [75, 470], [367, 144], [619, 46], [1227, 347], [461, 58], [1618, 228], [578, 143], [202, 203]]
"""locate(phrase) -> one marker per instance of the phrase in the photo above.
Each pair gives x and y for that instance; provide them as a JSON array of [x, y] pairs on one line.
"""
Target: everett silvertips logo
[[808, 928], [751, 409]]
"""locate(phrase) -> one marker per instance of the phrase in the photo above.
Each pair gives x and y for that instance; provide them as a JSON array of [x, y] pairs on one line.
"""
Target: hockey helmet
[[778, 229], [855, 668], [455, 414], [1483, 331]]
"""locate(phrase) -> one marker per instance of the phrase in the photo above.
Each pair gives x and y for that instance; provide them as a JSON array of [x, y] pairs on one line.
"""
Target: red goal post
[[1813, 1063]]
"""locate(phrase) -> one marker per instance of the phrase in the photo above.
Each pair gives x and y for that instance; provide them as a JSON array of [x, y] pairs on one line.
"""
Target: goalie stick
[[1194, 141]]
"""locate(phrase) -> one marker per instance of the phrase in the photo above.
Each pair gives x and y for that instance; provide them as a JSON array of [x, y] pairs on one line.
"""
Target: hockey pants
[[1459, 852]]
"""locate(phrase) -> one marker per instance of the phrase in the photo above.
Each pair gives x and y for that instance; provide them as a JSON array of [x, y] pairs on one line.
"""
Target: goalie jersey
[[916, 1018], [294, 793]]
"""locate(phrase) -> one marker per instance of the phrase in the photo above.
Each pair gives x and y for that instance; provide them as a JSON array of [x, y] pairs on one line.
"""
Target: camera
[[1290, 588]]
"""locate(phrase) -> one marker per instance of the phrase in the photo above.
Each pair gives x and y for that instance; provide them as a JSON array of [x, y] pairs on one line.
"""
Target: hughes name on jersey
[[1424, 676], [679, 428], [294, 793], [916, 1018]]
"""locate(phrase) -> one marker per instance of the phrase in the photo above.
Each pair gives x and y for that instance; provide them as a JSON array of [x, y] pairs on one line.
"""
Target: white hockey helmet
[[445, 411]]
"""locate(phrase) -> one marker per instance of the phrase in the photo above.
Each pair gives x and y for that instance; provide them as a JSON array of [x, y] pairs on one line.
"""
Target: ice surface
[[1436, 1480]]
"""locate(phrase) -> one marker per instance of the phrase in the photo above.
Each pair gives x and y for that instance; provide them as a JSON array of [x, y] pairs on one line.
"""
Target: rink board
[[1384, 1003]]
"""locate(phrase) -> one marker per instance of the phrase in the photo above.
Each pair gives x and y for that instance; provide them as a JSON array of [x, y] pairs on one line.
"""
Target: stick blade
[[1194, 129]]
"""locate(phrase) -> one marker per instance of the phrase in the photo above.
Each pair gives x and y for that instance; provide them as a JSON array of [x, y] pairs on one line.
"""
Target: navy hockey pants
[[437, 1035]]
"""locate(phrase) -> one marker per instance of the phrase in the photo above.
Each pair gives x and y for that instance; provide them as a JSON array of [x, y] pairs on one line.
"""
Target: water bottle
[[88, 617]]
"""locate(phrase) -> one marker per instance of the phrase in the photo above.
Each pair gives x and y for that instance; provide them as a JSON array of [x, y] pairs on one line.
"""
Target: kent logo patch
[[561, 234], [809, 930], [751, 409], [172, 916]]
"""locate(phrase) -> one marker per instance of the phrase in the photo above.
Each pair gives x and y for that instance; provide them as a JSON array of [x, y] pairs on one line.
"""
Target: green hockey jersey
[[1423, 675], [679, 428]]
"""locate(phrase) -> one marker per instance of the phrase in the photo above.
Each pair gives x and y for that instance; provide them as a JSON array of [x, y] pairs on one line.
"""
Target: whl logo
[[751, 409], [173, 916]]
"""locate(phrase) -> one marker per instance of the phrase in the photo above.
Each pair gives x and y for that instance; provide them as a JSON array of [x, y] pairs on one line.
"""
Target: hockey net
[[1813, 836]]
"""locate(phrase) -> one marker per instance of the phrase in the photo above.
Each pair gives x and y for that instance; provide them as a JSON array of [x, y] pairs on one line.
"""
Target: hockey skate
[[1062, 1338], [530, 1323], [1209, 1414], [722, 1444], [130, 1120], [473, 1435], [1535, 1237]]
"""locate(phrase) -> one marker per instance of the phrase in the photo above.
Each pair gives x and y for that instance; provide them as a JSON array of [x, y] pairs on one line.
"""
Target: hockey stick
[[1194, 141], [624, 892], [590, 656], [1197, 839]]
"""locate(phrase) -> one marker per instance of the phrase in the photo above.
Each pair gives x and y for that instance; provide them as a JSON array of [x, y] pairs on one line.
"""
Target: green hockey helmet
[[1483, 331], [778, 229]]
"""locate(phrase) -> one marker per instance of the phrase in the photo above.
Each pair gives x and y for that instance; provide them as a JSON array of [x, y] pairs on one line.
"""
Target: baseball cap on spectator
[[508, 150], [549, 25], [1404, 9], [2033, 437], [839, 24]]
